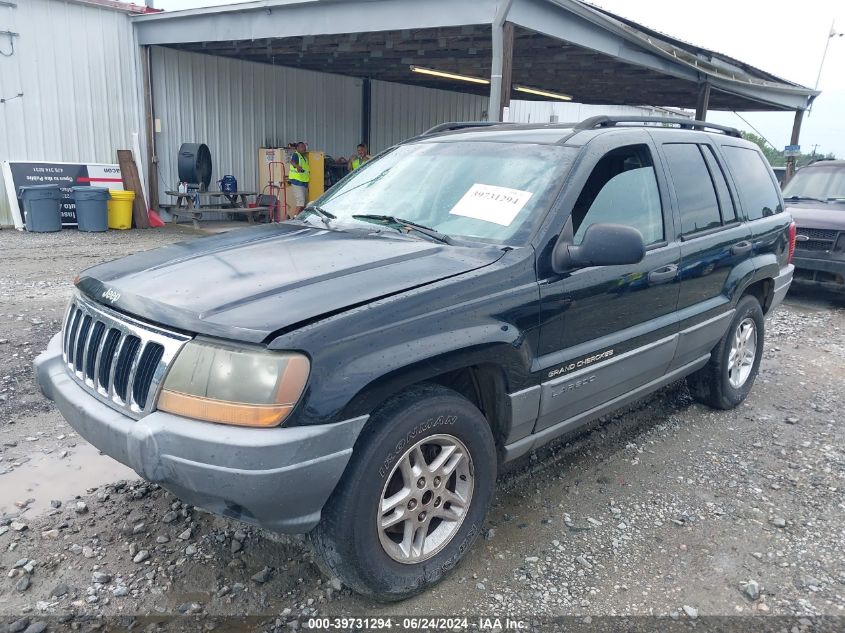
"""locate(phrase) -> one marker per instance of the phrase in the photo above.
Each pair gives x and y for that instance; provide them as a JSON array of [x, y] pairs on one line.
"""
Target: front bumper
[[277, 478], [824, 272]]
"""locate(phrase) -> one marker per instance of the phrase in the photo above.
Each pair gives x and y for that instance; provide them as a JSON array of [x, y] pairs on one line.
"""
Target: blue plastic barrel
[[41, 208], [91, 208]]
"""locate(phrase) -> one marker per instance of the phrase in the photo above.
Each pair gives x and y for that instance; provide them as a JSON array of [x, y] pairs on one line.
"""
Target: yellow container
[[120, 209], [316, 185]]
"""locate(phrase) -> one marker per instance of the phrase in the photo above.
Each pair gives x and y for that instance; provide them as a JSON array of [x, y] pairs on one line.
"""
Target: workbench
[[236, 202]]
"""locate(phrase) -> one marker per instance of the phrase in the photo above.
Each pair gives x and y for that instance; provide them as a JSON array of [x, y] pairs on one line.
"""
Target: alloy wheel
[[425, 499], [742, 354]]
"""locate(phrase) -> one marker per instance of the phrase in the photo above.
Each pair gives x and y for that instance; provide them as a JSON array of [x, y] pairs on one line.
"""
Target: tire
[[719, 384], [385, 564]]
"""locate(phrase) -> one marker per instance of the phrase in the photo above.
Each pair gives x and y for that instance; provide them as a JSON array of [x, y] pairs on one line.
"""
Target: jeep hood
[[245, 285]]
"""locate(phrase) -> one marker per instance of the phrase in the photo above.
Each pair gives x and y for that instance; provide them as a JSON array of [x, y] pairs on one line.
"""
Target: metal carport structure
[[565, 47]]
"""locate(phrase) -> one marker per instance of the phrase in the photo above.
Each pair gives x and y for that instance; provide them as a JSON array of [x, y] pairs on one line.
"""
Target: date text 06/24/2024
[[414, 624]]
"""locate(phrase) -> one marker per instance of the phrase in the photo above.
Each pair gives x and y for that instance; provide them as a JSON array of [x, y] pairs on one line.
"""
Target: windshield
[[822, 182], [476, 190]]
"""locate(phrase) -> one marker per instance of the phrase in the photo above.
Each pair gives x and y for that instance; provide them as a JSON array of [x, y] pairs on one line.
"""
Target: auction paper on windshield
[[490, 203]]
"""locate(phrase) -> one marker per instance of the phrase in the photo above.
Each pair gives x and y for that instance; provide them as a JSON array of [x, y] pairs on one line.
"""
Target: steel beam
[[703, 101], [366, 111], [494, 107], [793, 140], [507, 66]]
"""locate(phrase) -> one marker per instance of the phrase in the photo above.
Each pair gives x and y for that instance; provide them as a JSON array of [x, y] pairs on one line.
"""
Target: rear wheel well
[[763, 291]]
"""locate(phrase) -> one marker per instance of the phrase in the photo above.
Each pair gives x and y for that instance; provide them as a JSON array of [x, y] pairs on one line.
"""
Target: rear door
[[715, 244], [606, 330], [761, 202]]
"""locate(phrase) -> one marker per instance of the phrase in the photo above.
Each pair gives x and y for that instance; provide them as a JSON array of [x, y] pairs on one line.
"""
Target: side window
[[697, 202], [757, 190], [726, 202], [622, 189]]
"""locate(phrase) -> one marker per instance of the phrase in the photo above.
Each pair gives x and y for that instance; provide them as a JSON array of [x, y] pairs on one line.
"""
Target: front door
[[606, 330]]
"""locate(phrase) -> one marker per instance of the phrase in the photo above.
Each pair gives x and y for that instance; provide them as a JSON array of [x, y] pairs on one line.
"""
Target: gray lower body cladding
[[562, 405], [277, 478]]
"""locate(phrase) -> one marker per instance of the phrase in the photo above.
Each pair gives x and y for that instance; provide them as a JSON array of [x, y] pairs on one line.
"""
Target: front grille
[[118, 359], [814, 245], [818, 234]]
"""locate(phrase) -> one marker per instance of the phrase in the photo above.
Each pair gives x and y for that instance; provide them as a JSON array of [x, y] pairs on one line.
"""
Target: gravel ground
[[666, 509]]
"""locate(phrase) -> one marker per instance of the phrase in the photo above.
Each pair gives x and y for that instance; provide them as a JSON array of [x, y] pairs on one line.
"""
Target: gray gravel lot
[[668, 508]]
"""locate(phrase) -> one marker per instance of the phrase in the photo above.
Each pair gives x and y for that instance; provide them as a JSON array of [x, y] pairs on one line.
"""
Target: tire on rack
[[414, 496], [725, 381]]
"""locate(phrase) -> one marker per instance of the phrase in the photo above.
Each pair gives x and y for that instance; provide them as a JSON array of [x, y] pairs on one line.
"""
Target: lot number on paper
[[499, 205]]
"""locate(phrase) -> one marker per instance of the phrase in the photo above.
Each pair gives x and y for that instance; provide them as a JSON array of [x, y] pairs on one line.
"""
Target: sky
[[786, 40]]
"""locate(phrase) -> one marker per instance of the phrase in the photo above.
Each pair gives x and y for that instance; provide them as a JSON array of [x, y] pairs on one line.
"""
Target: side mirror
[[603, 245]]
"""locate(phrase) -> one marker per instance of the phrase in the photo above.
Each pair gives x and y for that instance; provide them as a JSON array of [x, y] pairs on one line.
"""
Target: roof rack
[[686, 124], [459, 125]]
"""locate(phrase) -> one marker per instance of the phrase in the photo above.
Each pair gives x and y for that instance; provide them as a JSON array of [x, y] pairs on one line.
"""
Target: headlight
[[232, 385]]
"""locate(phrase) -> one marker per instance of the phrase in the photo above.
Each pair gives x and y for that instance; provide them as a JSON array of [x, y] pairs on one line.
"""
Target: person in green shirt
[[361, 157], [299, 175]]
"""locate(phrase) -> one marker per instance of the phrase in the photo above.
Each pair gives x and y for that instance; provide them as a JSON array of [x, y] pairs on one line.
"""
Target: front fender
[[431, 356], [362, 356]]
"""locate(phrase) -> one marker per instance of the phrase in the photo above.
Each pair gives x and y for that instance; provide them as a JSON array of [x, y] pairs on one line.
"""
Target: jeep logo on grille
[[111, 294]]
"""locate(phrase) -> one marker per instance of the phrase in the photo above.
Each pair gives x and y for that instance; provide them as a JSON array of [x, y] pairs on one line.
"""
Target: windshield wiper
[[325, 216], [797, 198], [419, 228]]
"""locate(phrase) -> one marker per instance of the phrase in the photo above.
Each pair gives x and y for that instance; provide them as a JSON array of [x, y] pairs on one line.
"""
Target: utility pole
[[831, 34]]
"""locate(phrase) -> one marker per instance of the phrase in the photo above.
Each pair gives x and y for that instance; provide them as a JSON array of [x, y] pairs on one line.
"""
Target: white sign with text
[[490, 203]]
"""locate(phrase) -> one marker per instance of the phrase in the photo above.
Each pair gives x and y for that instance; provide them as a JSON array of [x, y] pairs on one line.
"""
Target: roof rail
[[459, 125], [687, 124]]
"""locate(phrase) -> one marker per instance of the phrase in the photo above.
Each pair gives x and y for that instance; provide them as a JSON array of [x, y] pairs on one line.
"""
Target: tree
[[776, 157]]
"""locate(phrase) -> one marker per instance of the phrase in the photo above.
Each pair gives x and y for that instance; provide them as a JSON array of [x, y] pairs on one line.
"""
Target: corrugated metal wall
[[78, 69], [400, 111], [236, 107], [542, 111]]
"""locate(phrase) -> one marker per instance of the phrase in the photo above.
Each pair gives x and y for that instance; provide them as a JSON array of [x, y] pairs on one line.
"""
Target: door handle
[[740, 248], [666, 273]]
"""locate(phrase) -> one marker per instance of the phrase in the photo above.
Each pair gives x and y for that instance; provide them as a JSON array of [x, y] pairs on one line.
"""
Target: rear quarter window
[[757, 191]]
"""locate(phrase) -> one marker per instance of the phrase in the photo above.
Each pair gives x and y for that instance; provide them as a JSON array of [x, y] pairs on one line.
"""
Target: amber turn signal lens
[[221, 412], [216, 382]]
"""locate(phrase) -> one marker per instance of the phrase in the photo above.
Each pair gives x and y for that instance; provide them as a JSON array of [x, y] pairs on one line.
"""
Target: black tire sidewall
[[436, 411], [747, 307]]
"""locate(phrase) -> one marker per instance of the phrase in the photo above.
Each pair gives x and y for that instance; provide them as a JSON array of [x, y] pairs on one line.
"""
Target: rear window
[[757, 191]]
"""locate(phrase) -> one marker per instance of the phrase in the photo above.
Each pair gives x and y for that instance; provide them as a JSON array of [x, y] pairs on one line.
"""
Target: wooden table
[[236, 202]]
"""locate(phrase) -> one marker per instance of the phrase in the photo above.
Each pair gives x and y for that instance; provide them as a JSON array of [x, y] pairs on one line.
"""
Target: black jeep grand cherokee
[[361, 372]]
